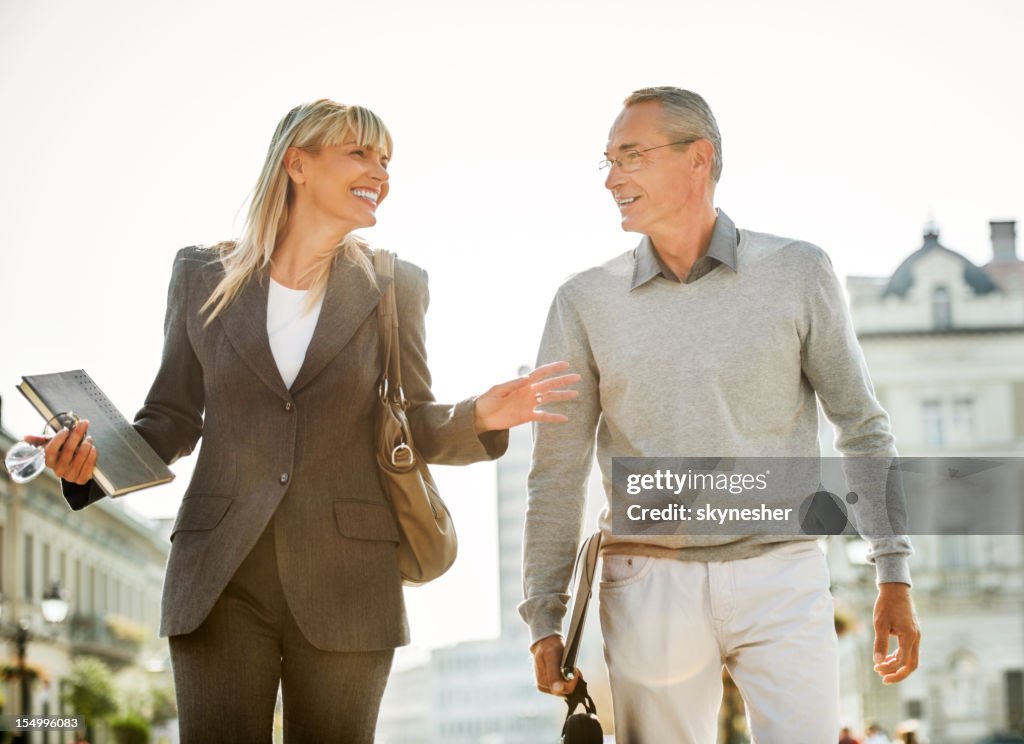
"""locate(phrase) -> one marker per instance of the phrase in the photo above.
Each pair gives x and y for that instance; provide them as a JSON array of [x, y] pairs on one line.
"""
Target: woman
[[283, 562]]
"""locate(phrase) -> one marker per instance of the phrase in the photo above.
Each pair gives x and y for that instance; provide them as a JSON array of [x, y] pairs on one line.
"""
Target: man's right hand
[[547, 666]]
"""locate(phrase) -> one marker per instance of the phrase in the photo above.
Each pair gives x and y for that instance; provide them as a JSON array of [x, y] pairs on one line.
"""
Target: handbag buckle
[[384, 392], [404, 453]]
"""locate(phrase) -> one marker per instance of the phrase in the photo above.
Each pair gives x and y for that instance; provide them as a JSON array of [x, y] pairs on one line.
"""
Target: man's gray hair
[[687, 115]]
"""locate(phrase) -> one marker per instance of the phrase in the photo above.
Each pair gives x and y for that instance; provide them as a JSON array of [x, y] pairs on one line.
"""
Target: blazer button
[[284, 478], [288, 406]]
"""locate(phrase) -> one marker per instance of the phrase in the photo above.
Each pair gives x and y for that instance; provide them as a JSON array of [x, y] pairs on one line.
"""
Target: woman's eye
[[360, 153]]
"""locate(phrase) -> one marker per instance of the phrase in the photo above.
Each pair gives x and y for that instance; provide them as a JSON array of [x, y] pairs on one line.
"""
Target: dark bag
[[428, 543], [581, 728]]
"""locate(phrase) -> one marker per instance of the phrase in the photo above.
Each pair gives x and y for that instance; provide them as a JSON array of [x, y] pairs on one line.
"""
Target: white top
[[290, 328]]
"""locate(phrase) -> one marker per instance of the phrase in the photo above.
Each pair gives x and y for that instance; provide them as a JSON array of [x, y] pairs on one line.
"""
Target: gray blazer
[[304, 455]]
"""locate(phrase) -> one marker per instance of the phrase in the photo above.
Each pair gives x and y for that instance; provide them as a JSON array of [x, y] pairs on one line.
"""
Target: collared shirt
[[721, 250]]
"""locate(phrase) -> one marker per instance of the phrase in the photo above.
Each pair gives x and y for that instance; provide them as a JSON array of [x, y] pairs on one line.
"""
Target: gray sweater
[[729, 363]]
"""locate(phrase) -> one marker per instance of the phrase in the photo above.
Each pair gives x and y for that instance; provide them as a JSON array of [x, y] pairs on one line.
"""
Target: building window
[[931, 419], [942, 315], [1018, 408], [1015, 697], [29, 584], [963, 696], [47, 568], [954, 552], [76, 591], [962, 425]]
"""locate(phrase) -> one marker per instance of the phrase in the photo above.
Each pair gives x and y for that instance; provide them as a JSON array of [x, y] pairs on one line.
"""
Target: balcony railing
[[113, 638]]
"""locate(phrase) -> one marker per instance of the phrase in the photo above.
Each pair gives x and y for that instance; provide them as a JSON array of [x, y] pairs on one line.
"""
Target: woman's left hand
[[518, 401]]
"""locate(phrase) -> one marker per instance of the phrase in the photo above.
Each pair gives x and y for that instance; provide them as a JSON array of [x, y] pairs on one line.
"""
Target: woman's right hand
[[70, 454]]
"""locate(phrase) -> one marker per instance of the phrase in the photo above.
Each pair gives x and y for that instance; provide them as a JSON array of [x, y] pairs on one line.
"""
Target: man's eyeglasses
[[631, 160]]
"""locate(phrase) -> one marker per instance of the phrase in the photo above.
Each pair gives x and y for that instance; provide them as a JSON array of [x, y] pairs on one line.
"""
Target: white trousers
[[669, 626]]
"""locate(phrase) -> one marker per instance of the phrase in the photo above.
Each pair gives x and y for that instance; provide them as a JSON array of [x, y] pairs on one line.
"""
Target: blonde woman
[[283, 568]]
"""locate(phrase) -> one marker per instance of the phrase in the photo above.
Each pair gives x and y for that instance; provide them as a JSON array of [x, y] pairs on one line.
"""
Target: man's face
[[653, 198]]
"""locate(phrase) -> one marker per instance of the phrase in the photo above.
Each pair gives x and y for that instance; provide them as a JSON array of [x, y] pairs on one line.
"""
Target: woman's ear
[[294, 164]]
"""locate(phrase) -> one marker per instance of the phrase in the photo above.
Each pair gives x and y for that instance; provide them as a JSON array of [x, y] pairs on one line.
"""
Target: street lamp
[[55, 603], [55, 609]]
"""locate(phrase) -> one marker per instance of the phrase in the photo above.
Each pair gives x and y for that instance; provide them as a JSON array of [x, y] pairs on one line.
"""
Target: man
[[704, 341], [876, 735]]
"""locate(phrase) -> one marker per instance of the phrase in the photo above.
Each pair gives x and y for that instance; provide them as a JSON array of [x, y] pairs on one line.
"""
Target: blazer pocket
[[199, 512], [362, 520]]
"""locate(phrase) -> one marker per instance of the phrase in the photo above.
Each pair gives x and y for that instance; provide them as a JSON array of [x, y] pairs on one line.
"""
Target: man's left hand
[[895, 616]]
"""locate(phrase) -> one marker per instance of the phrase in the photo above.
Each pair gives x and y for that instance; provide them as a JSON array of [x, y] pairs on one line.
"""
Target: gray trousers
[[227, 671]]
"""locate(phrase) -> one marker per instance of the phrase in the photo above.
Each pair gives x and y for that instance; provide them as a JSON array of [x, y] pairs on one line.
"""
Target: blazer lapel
[[245, 324], [349, 299]]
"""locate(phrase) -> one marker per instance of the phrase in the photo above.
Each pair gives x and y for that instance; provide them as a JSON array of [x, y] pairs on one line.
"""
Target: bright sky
[[134, 129]]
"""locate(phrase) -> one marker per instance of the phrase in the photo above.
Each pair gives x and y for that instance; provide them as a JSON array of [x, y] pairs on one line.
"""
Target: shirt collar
[[722, 249]]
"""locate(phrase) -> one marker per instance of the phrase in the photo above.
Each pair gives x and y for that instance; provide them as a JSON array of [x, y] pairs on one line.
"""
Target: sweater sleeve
[[562, 458], [834, 364]]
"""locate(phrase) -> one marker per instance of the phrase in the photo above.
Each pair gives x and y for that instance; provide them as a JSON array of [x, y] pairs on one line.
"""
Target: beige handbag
[[428, 543]]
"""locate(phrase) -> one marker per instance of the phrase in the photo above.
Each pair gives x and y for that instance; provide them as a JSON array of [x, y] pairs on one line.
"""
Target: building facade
[[944, 341]]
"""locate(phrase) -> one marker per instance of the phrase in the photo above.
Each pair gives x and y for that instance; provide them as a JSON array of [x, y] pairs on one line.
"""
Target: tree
[[89, 690], [163, 706], [130, 728]]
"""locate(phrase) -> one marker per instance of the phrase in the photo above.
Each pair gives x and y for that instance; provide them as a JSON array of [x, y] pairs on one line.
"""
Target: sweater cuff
[[892, 568], [544, 615]]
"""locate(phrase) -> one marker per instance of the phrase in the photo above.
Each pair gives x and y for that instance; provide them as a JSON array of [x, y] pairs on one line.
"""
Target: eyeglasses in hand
[[25, 461]]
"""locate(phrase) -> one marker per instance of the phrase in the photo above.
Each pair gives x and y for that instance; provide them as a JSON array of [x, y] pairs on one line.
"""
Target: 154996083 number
[[41, 723]]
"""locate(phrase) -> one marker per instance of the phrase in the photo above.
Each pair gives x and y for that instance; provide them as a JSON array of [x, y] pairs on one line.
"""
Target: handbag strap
[[580, 696], [387, 321], [586, 567]]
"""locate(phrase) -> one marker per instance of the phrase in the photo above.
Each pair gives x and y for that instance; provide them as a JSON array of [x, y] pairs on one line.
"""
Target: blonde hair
[[310, 126]]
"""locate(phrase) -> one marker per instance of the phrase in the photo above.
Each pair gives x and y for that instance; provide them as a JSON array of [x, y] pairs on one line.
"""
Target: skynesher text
[[681, 513]]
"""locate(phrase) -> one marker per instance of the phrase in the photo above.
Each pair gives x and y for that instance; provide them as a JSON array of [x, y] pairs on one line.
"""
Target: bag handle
[[580, 696], [387, 321], [583, 580]]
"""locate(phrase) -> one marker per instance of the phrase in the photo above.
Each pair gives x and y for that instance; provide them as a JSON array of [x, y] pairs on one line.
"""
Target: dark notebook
[[126, 462]]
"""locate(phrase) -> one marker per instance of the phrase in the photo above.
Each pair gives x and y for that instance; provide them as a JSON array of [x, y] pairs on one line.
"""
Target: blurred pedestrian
[[876, 735]]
